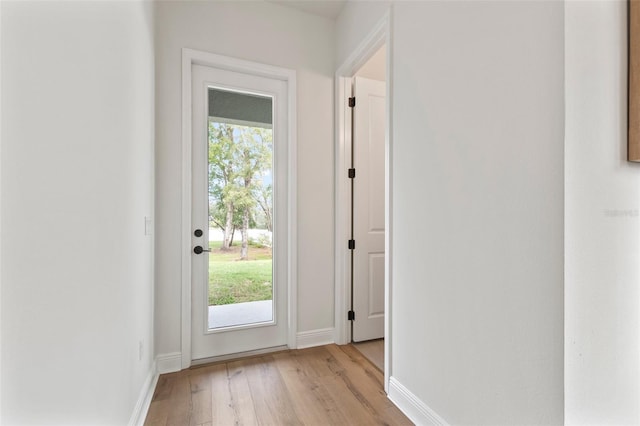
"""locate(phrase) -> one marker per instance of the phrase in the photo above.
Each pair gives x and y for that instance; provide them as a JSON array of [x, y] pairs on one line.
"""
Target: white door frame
[[379, 35], [189, 58]]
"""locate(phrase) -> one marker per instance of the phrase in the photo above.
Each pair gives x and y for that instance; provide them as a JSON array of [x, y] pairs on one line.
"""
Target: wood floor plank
[[181, 407], [201, 400], [347, 403], [352, 361], [161, 402], [373, 350], [367, 381], [327, 385], [313, 403], [221, 402], [271, 398], [164, 386], [244, 412], [158, 413], [317, 361]]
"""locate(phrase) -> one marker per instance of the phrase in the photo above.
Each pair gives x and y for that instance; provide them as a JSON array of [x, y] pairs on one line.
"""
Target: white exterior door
[[230, 327], [369, 209]]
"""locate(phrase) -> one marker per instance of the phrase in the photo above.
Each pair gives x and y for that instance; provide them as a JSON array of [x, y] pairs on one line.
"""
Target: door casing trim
[[192, 57], [379, 35]]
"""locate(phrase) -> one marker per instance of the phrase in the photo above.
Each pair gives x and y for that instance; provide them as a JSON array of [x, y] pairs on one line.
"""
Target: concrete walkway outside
[[240, 313]]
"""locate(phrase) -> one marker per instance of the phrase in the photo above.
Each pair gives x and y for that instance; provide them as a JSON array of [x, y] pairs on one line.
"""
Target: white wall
[[477, 329], [77, 114], [602, 231], [0, 215], [375, 68], [354, 23], [270, 34]]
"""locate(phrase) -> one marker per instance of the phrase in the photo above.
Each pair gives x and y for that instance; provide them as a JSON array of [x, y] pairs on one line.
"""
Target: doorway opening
[[367, 208], [238, 208], [363, 199]]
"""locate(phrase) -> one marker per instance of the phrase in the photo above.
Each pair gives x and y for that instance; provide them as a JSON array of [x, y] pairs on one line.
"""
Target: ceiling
[[327, 8]]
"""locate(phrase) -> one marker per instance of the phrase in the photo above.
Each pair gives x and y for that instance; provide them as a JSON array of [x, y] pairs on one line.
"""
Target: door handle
[[199, 249]]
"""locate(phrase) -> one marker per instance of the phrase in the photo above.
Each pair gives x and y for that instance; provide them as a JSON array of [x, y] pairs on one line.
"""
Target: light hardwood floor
[[373, 350], [326, 385]]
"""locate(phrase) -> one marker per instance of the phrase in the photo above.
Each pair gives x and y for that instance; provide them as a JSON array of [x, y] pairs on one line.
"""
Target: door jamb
[[192, 57], [378, 36]]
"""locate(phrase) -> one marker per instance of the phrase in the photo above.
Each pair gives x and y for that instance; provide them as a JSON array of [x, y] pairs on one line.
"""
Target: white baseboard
[[417, 411], [172, 362], [307, 339], [144, 400], [169, 363]]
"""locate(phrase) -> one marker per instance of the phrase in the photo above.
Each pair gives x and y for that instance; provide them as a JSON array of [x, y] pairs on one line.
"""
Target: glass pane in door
[[240, 170]]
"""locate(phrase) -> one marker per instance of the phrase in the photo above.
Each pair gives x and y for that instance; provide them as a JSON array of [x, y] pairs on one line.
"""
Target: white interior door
[[252, 112], [369, 208]]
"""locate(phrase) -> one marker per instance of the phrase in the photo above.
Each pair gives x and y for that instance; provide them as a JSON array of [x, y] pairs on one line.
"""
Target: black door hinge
[[352, 102], [352, 244], [352, 173], [351, 316]]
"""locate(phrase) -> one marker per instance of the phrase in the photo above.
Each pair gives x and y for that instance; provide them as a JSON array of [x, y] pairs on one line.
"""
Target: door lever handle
[[199, 249]]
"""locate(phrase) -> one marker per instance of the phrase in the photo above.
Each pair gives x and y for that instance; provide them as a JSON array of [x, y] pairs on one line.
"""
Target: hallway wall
[[602, 222], [77, 149], [477, 181]]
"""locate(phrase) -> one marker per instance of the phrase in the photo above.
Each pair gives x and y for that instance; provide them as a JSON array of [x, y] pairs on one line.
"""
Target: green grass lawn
[[234, 281]]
